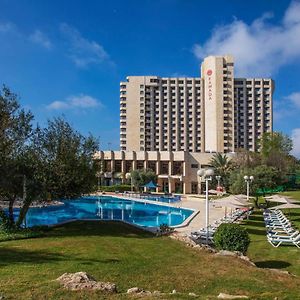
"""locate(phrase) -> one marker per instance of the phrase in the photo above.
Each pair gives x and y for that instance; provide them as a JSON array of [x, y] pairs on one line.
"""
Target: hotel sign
[[209, 87]]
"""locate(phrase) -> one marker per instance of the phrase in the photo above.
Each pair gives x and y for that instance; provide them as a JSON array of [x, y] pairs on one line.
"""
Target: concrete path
[[215, 213]]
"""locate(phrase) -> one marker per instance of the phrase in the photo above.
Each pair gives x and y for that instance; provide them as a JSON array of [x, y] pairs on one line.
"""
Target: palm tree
[[222, 165]]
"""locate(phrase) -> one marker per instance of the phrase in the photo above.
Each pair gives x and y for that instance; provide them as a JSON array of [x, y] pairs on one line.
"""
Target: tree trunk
[[11, 210], [26, 204], [23, 212]]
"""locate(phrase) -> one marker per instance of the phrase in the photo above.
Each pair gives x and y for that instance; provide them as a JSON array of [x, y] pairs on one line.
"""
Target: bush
[[22, 233], [231, 237], [116, 188]]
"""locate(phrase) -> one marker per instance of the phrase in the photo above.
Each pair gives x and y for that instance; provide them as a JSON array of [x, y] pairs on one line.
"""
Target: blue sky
[[68, 57]]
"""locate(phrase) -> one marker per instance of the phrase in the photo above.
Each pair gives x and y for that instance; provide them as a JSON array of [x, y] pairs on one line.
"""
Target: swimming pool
[[108, 208]]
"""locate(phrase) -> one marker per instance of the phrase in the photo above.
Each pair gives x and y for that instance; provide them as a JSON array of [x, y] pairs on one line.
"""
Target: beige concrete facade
[[176, 171], [214, 113]]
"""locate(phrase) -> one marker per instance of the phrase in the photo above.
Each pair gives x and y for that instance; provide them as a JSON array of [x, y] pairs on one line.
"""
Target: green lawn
[[130, 257], [263, 253], [293, 194]]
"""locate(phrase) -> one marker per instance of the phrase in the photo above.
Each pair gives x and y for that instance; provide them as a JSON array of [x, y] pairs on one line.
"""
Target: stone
[[157, 293], [192, 295], [228, 296], [82, 280], [134, 290], [278, 271], [226, 253], [174, 292]]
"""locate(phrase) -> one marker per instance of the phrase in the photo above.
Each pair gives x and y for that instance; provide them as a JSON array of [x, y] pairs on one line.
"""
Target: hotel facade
[[188, 119]]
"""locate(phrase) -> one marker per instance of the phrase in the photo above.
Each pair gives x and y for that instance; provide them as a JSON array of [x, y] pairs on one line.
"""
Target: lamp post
[[218, 177], [128, 176], [248, 179], [206, 174], [99, 174]]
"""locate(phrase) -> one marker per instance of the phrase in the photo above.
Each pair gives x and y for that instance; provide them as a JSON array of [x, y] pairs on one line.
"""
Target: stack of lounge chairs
[[235, 217], [280, 229]]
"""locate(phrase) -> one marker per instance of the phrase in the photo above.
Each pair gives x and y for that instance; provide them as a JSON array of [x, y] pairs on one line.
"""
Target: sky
[[67, 58]]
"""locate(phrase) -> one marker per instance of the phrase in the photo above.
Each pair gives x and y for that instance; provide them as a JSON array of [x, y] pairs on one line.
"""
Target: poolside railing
[[153, 197]]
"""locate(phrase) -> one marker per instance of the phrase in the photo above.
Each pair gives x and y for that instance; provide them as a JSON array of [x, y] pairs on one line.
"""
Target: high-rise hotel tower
[[214, 113]]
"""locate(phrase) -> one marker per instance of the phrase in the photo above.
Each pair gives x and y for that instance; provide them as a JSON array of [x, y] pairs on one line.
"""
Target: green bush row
[[115, 188]]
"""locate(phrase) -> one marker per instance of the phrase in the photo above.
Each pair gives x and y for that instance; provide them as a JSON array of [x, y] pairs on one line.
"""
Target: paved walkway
[[198, 222]]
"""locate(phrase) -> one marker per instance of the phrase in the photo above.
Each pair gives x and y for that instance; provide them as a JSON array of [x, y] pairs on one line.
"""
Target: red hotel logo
[[209, 73]]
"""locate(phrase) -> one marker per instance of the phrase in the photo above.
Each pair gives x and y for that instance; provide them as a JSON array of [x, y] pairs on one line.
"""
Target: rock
[[228, 296], [174, 292], [134, 290], [192, 295], [82, 280], [157, 293], [278, 271], [226, 253]]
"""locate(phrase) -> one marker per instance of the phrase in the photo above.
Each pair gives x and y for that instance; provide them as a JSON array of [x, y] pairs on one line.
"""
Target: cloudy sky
[[68, 60]]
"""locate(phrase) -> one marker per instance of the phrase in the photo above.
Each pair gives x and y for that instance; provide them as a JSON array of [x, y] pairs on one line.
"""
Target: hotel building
[[213, 113], [175, 125]]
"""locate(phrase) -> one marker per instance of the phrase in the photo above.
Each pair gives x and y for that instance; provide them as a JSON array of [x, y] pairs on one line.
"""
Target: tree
[[222, 166], [142, 177], [275, 149], [246, 159], [264, 177], [42, 163], [15, 138], [68, 156]]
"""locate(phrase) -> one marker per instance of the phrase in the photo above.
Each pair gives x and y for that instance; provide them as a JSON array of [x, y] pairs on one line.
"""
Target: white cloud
[[6, 27], [75, 102], [296, 142], [287, 107], [295, 99], [259, 48], [41, 39], [82, 51]]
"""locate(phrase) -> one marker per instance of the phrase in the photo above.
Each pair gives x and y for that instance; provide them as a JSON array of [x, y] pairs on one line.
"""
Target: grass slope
[[128, 257]]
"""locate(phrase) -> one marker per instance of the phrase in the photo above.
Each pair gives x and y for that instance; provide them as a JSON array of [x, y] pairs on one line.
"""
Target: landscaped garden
[[130, 257]]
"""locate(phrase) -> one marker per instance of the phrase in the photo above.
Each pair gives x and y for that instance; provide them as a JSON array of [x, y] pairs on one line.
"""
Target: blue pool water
[[108, 208]]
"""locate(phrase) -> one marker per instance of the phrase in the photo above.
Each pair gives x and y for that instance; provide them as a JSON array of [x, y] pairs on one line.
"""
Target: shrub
[[231, 237], [164, 229], [116, 188]]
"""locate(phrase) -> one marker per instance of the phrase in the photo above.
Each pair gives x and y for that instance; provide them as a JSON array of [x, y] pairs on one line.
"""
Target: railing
[[153, 197]]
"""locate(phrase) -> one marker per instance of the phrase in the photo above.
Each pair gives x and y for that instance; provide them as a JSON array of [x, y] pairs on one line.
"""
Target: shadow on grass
[[272, 264], [98, 228], [19, 256], [16, 256], [256, 231], [254, 223], [255, 217]]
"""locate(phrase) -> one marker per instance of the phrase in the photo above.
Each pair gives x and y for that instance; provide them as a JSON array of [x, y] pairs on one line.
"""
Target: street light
[[248, 179], [99, 174], [128, 176], [206, 174], [218, 177]]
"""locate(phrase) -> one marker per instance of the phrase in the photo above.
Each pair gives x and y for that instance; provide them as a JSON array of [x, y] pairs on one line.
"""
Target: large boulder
[[82, 280]]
